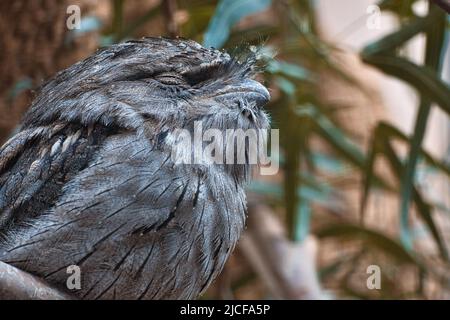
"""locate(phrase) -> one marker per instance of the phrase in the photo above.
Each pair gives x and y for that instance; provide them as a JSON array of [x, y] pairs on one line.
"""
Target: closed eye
[[171, 78]]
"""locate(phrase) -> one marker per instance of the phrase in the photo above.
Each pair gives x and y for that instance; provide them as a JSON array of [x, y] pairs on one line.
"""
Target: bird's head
[[155, 85], [159, 79]]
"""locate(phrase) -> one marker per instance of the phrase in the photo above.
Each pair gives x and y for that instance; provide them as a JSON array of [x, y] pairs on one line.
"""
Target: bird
[[89, 179]]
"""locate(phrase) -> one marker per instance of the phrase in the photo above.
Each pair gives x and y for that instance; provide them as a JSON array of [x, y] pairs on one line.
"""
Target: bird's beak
[[254, 91], [248, 90]]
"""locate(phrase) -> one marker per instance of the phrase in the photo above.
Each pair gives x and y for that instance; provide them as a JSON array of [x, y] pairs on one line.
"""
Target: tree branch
[[444, 4], [287, 268], [170, 9], [16, 284]]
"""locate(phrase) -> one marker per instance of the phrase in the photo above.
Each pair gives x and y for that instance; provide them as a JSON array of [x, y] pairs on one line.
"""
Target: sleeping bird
[[89, 180]]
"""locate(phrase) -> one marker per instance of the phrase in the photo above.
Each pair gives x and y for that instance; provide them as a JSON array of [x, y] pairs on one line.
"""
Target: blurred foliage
[[227, 14], [288, 31]]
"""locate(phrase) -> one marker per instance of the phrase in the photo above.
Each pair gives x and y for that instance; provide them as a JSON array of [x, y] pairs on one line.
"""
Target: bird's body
[[89, 179]]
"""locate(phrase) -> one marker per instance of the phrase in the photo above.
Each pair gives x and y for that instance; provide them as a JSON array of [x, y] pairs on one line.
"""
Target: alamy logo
[[374, 280], [74, 20], [230, 146], [374, 20], [74, 280]]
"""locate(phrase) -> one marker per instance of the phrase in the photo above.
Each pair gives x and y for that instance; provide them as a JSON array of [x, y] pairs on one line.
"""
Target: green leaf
[[303, 220], [387, 131], [19, 87], [381, 145], [369, 172], [288, 87], [265, 188], [401, 8], [288, 69], [339, 141], [227, 14], [293, 161], [422, 78], [384, 132], [335, 266], [117, 23], [392, 41], [407, 179], [328, 163], [435, 40], [310, 194], [87, 24], [423, 209], [371, 238]]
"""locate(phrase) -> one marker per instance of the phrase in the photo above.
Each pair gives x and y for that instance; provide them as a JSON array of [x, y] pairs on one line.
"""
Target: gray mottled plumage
[[89, 180]]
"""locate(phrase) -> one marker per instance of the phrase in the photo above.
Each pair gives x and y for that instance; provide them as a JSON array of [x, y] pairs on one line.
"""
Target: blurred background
[[360, 93]]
